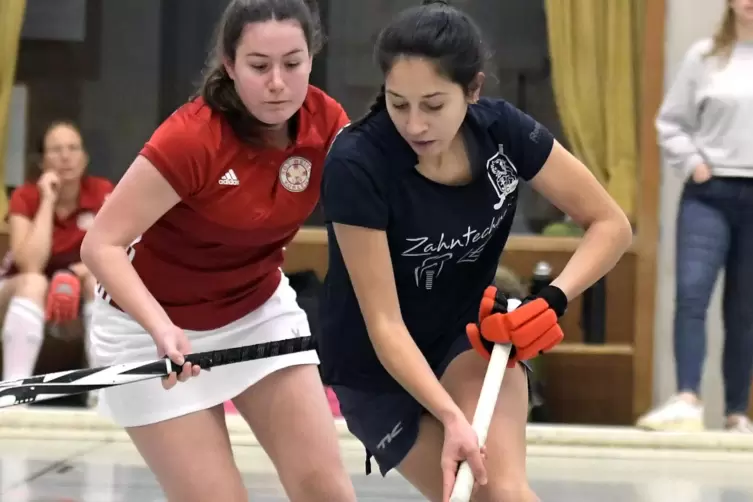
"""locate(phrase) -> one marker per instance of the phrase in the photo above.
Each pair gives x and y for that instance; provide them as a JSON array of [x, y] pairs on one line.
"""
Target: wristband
[[556, 299]]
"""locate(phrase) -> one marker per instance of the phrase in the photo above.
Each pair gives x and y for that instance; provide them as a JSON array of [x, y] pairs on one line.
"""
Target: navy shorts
[[387, 423]]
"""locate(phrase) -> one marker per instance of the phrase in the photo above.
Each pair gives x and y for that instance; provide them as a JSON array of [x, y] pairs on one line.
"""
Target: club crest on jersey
[[84, 220], [502, 175], [295, 174]]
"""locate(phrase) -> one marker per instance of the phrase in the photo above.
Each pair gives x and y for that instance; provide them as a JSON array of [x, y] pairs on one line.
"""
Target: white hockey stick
[[482, 417]]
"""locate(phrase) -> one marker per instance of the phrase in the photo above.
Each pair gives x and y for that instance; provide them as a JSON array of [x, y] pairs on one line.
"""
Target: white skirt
[[116, 338]]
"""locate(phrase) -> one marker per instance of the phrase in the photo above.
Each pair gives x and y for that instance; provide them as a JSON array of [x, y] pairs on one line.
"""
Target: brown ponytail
[[379, 104], [218, 92]]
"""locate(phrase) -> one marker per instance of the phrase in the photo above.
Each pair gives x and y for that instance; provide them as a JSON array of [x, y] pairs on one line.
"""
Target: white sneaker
[[676, 415], [741, 425]]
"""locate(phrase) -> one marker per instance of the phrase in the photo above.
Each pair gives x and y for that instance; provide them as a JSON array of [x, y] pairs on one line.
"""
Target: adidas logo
[[229, 178]]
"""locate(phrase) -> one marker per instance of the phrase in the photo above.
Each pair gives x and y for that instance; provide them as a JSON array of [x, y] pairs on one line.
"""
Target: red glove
[[493, 302], [63, 297], [532, 328]]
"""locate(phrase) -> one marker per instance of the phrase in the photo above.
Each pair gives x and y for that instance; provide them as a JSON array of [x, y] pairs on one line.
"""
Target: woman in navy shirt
[[419, 196]]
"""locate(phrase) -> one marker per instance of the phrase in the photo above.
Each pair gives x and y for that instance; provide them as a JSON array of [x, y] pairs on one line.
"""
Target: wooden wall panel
[[311, 254], [647, 217], [588, 389], [620, 286]]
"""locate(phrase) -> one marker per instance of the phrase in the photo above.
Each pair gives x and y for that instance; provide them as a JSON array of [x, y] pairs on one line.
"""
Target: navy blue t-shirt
[[445, 241]]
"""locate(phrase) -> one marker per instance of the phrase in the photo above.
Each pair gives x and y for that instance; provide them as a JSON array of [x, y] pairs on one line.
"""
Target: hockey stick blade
[[69, 383]]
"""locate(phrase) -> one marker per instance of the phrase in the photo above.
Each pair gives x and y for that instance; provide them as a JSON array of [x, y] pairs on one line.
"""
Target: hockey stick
[[72, 382], [482, 417]]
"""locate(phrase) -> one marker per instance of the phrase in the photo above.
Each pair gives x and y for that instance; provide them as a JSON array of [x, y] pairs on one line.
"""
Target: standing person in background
[[188, 251], [43, 277], [705, 127]]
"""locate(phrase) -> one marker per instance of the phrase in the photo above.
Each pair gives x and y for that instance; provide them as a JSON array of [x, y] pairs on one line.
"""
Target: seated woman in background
[[42, 274]]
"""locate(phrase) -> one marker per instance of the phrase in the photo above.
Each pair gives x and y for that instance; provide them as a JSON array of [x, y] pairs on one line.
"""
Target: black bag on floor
[[308, 287]]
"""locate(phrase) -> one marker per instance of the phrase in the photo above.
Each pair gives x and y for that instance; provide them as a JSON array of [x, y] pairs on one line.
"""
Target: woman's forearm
[[37, 247], [601, 247], [401, 357], [113, 269]]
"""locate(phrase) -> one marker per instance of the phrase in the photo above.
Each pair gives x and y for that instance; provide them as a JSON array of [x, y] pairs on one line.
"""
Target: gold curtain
[[11, 20], [596, 48]]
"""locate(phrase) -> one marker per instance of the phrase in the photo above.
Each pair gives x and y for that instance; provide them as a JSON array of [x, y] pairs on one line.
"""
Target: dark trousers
[[715, 231]]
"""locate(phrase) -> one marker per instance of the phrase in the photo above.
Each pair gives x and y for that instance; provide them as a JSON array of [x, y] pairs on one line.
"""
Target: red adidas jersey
[[216, 256], [67, 233]]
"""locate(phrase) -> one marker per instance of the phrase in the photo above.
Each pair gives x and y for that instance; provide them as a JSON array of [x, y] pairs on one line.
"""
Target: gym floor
[[111, 471]]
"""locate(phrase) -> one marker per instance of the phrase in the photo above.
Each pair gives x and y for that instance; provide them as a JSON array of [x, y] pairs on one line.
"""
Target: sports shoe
[[676, 415], [63, 297], [740, 425]]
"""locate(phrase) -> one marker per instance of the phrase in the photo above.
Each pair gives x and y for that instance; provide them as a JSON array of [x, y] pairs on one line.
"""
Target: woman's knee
[[280, 409], [506, 489], [32, 286], [321, 483], [183, 475]]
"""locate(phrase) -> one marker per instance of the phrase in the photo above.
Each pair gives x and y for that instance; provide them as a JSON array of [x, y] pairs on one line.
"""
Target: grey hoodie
[[707, 114]]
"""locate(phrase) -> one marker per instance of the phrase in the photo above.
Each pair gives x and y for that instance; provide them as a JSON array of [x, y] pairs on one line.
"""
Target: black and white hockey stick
[[68, 383]]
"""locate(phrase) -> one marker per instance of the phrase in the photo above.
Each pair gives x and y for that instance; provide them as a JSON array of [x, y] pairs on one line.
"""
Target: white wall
[[687, 21]]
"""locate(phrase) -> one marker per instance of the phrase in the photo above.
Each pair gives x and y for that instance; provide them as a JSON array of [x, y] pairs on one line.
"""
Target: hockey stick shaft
[[482, 417], [69, 383]]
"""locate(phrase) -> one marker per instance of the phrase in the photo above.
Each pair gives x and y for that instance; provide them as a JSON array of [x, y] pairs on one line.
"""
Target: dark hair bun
[[440, 2]]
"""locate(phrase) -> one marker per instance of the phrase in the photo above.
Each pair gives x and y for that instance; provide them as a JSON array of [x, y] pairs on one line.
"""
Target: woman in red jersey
[[188, 253], [48, 217]]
